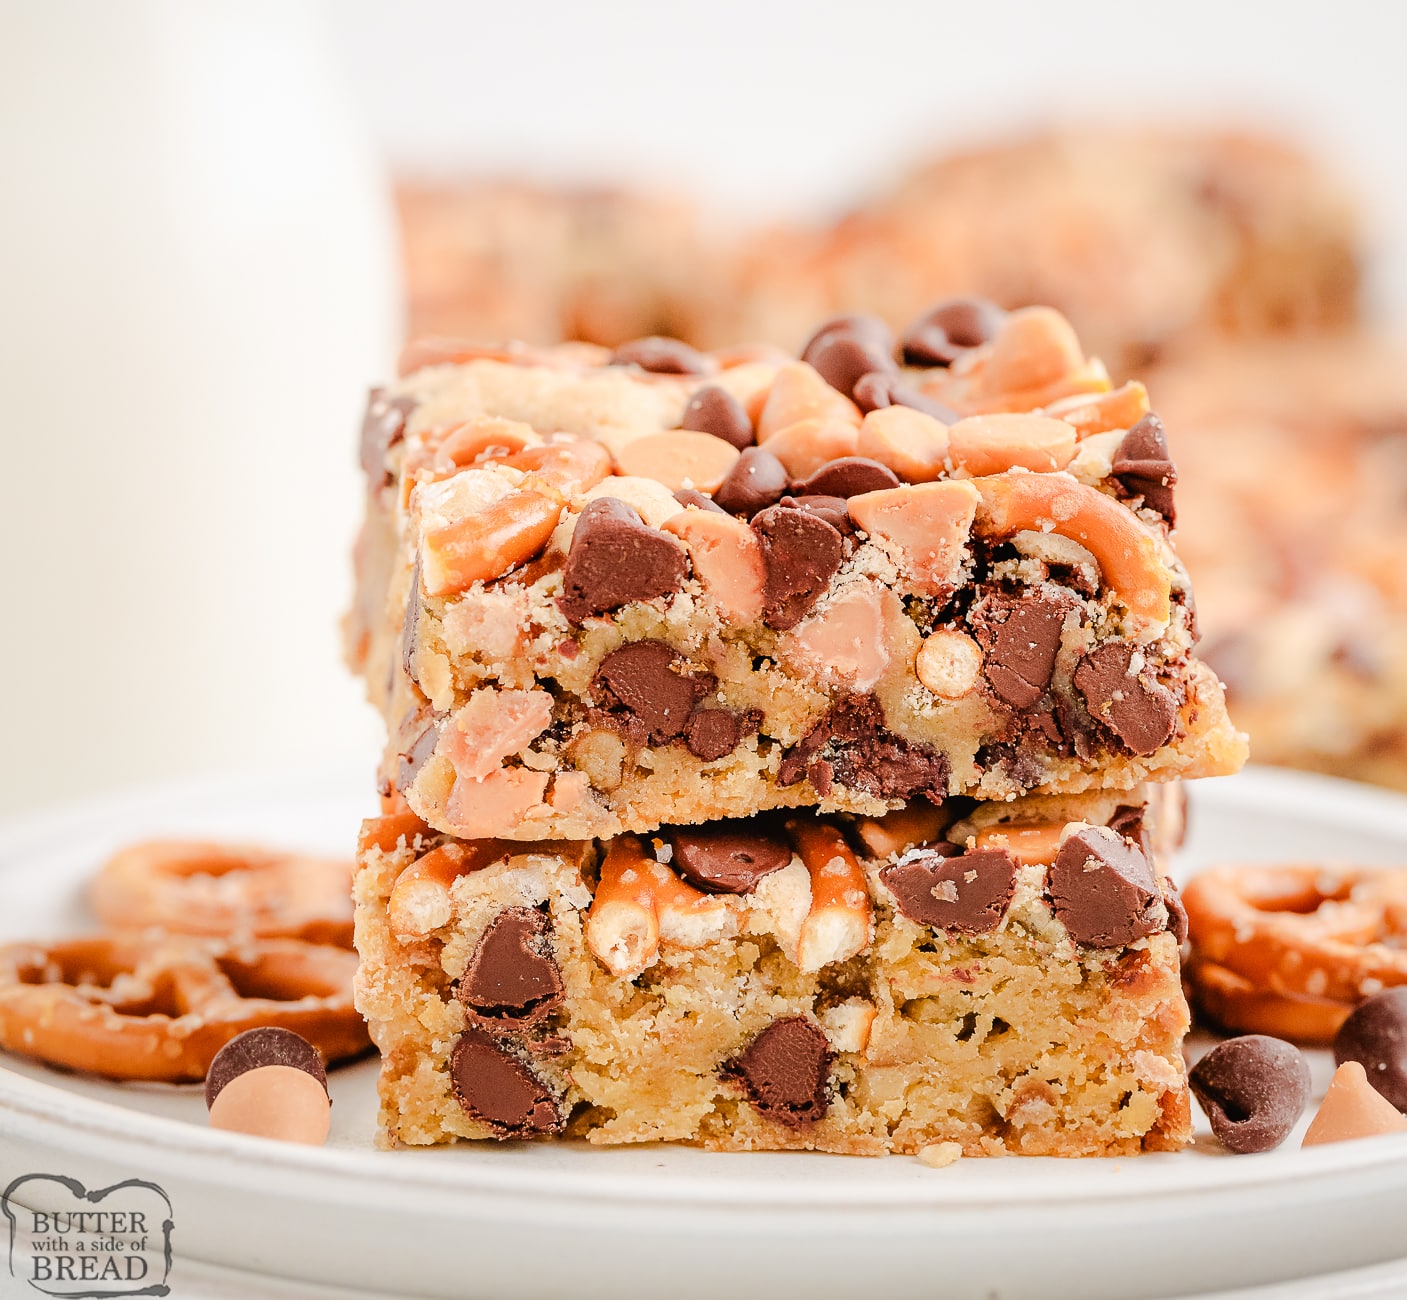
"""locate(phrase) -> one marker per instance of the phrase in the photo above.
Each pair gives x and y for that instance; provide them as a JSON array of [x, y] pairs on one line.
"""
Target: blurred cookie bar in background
[[1139, 237]]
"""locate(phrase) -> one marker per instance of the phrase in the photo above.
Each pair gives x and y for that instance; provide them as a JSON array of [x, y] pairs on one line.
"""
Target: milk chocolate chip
[[876, 390], [784, 1072], [1144, 467], [259, 1047], [615, 559], [756, 481], [941, 886], [701, 500], [801, 554], [513, 975], [661, 356], [715, 410], [1019, 639], [1104, 890], [1375, 1035], [643, 694], [712, 733], [943, 333], [846, 353], [846, 477], [383, 426], [1135, 707], [497, 1087], [424, 737], [1253, 1089], [832, 509], [728, 857]]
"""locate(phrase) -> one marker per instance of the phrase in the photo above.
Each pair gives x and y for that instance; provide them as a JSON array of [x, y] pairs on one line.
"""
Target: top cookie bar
[[604, 591]]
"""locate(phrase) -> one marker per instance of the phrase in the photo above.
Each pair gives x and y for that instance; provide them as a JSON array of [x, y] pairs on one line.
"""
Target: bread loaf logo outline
[[68, 1242]]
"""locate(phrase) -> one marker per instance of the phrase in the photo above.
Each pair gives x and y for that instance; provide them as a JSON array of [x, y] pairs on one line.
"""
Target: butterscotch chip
[[1353, 1109], [678, 458]]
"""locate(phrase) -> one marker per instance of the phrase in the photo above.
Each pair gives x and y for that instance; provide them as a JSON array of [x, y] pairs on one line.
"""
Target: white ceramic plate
[[557, 1220]]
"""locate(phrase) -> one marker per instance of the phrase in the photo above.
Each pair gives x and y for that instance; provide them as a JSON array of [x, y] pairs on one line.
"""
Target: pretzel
[[840, 920], [1234, 1003], [196, 887], [152, 1006], [1303, 931]]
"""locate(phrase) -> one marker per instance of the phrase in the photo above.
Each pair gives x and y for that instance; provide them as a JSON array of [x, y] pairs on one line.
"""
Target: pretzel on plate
[[1234, 1003], [199, 887], [154, 1006]]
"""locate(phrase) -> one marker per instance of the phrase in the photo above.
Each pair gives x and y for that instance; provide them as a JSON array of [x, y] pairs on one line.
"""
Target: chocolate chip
[[801, 553], [863, 325], [692, 497], [713, 733], [643, 694], [832, 509], [423, 739], [1019, 640], [410, 624], [1127, 819], [863, 753], [1178, 924], [661, 356], [513, 975], [876, 390], [1104, 891], [849, 350], [1144, 468], [1375, 1035], [943, 333], [757, 480], [969, 892], [259, 1047], [383, 426], [784, 1072], [715, 410], [849, 476], [495, 1086], [1253, 1089], [615, 559], [1137, 709], [730, 856]]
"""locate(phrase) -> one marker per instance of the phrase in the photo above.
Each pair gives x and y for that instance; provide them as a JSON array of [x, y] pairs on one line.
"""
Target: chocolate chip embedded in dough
[[801, 553], [941, 886], [728, 856], [832, 509], [877, 390], [785, 1071], [641, 691], [844, 354], [495, 1086], [944, 332], [846, 477], [513, 975], [410, 624], [714, 733], [259, 1047], [1253, 1089], [853, 744], [1178, 924], [1136, 708], [1019, 640], [715, 410], [616, 559], [1375, 1035], [661, 356], [383, 426], [425, 737], [1104, 890], [701, 500], [1144, 466], [757, 480]]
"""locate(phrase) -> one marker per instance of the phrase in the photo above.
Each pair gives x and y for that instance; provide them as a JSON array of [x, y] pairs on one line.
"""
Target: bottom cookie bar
[[1007, 981]]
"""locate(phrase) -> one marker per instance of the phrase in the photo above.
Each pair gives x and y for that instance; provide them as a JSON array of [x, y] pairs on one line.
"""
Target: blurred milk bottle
[[197, 282]]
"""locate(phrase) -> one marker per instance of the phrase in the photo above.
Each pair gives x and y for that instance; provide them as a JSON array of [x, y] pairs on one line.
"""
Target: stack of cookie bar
[[778, 748]]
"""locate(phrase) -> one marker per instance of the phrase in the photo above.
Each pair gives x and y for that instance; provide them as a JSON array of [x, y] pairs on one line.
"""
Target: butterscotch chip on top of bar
[[1007, 981], [582, 618]]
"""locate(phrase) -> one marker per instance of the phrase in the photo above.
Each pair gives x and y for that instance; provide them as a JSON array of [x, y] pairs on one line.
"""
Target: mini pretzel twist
[[640, 904], [196, 887], [153, 1006], [1303, 931]]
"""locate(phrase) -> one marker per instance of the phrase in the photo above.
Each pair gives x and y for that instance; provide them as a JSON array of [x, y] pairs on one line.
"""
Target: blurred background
[[221, 218]]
